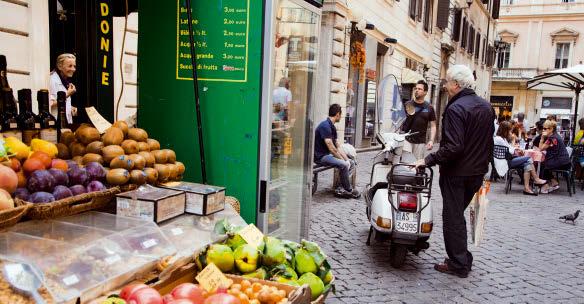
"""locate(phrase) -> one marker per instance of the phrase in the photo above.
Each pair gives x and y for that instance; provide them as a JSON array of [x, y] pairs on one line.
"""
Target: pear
[[304, 262], [275, 252], [328, 277], [259, 273], [234, 241], [246, 258], [221, 256], [315, 283]]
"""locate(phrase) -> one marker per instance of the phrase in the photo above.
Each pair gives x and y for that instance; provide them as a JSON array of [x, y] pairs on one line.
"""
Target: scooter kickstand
[[369, 236]]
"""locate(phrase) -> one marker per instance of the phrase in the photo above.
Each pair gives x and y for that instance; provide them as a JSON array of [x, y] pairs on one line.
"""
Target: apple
[[189, 291], [221, 256], [145, 296], [130, 290], [167, 299], [246, 258]]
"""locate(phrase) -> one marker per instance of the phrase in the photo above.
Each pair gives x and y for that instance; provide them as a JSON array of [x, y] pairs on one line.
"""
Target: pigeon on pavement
[[570, 217]]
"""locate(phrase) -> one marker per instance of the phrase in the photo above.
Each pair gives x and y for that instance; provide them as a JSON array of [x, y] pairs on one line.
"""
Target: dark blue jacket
[[466, 147]]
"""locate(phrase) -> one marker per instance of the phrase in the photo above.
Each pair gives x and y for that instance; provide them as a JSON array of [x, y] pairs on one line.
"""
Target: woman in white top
[[61, 81], [524, 162]]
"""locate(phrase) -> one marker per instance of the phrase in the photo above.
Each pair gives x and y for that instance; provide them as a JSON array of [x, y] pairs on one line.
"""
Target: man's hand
[[429, 145], [420, 163]]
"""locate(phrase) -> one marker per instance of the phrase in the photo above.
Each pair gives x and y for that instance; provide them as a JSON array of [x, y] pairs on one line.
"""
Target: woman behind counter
[[61, 81]]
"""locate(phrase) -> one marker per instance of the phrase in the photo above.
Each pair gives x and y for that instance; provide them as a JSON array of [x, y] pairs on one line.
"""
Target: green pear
[[328, 277], [304, 262], [246, 258], [275, 252], [221, 256], [259, 273], [315, 283], [234, 241]]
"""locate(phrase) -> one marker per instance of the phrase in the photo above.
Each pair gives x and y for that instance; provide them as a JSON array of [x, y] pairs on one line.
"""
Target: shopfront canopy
[[410, 76], [571, 78]]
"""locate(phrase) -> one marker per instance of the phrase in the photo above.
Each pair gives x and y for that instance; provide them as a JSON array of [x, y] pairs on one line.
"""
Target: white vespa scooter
[[398, 200]]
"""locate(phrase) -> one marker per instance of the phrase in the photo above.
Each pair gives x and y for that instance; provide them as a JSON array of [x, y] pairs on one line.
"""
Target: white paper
[[100, 123], [70, 280], [149, 243]]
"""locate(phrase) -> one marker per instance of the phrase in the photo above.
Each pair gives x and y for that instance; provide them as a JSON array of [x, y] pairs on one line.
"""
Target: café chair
[[501, 152]]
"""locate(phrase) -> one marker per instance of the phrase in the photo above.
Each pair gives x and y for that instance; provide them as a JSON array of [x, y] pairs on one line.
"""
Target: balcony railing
[[515, 73]]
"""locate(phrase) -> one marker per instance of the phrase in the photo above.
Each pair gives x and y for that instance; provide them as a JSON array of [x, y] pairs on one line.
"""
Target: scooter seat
[[403, 177]]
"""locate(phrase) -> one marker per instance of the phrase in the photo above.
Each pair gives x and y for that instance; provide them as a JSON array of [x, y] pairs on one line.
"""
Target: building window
[[478, 46], [428, 15], [412, 10], [471, 37], [568, 1], [464, 37], [562, 54], [456, 25], [503, 56], [510, 2]]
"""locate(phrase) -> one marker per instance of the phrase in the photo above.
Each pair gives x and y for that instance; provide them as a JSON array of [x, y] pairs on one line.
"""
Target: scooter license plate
[[406, 222]]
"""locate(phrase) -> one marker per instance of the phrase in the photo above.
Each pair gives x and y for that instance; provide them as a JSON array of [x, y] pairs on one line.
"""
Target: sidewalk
[[528, 255]]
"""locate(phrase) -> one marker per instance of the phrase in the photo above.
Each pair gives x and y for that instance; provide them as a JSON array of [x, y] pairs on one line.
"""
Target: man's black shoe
[[443, 267], [355, 194]]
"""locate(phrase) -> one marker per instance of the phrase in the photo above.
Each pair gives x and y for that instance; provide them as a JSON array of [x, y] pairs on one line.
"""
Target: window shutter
[[478, 46], [413, 9], [420, 6], [428, 16], [496, 7], [471, 40], [456, 25], [442, 14], [464, 38]]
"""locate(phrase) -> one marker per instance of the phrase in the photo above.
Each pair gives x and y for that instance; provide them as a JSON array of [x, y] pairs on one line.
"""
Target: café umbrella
[[571, 78]]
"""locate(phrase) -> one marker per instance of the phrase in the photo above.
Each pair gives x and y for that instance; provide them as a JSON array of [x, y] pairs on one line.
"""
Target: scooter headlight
[[383, 222]]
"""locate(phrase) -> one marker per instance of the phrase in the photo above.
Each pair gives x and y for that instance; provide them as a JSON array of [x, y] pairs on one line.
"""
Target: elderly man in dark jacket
[[465, 151]]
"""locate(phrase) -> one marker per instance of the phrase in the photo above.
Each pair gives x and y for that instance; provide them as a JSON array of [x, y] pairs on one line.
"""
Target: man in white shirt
[[282, 98]]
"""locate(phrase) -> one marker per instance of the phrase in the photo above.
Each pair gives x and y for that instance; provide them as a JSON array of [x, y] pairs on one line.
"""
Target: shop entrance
[[503, 106]]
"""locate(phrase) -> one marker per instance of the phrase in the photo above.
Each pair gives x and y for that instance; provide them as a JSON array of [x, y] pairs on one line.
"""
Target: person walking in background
[[466, 148], [61, 81], [420, 113], [327, 151], [282, 97]]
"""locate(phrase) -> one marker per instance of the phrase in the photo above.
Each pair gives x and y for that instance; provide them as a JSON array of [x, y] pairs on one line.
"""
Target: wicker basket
[[234, 203], [10, 217], [72, 205]]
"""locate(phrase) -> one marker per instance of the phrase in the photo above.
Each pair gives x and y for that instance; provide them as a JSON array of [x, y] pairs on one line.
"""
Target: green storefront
[[256, 65]]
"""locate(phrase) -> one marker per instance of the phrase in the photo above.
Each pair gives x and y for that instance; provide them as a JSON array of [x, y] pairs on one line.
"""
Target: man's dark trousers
[[457, 192]]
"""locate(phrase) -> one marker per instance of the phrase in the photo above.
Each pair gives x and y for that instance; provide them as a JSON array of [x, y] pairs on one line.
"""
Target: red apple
[[222, 298], [145, 296], [180, 301], [167, 299], [130, 289], [188, 291]]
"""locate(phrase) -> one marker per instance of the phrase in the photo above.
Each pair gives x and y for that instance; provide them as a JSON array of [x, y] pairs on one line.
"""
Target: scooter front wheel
[[397, 255]]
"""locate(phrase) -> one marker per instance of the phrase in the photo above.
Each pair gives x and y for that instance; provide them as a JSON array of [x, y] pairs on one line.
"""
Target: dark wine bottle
[[48, 121], [29, 122], [62, 125], [8, 117], [3, 77]]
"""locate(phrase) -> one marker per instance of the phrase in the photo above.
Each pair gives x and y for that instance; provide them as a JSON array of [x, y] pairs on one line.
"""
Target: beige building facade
[[401, 42], [539, 36]]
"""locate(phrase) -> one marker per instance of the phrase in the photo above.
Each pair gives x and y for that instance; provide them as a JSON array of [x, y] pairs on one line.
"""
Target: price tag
[[51, 123], [37, 125], [71, 280], [149, 243], [112, 259], [212, 278], [13, 125], [252, 235], [177, 231], [100, 123]]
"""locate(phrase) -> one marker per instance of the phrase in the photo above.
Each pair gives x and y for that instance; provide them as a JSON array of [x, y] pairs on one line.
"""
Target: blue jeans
[[330, 160], [523, 162]]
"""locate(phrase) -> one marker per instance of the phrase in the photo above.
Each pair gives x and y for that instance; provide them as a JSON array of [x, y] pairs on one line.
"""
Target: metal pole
[[578, 90], [196, 87]]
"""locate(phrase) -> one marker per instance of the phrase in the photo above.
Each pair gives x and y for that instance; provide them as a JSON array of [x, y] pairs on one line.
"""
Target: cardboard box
[[201, 199], [151, 203]]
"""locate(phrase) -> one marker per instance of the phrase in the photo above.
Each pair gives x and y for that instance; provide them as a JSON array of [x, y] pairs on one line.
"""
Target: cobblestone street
[[527, 255]]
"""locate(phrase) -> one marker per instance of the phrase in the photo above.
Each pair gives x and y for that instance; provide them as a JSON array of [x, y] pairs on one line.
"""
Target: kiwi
[[142, 146], [163, 172], [78, 159], [122, 125], [138, 177], [67, 138], [130, 146], [121, 161], [92, 157], [153, 143], [77, 149], [150, 160], [151, 175], [110, 152], [63, 151], [181, 168], [113, 136], [160, 156], [170, 155], [137, 134], [139, 161], [87, 135], [94, 147], [118, 176]]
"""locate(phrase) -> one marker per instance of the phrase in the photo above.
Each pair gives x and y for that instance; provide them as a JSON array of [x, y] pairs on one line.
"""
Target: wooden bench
[[316, 169]]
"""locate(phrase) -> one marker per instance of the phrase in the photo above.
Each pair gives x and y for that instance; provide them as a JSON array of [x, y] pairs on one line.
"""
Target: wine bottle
[[48, 121], [29, 122], [8, 118], [62, 125], [3, 77]]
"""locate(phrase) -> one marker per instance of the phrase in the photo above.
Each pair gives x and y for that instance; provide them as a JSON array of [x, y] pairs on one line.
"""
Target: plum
[[72, 164], [95, 171], [77, 176], [95, 186], [60, 192], [41, 197], [41, 181], [22, 193], [61, 178], [77, 189]]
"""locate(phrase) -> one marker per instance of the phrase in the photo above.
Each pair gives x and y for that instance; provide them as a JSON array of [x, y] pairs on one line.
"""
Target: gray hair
[[61, 59], [462, 75], [283, 82]]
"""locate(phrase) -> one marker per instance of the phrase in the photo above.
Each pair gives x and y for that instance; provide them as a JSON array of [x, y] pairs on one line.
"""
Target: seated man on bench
[[327, 152]]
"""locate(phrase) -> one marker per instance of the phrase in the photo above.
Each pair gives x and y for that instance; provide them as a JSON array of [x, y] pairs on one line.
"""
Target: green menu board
[[221, 41], [229, 89]]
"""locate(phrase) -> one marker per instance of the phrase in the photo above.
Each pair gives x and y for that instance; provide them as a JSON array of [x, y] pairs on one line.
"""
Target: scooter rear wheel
[[397, 255]]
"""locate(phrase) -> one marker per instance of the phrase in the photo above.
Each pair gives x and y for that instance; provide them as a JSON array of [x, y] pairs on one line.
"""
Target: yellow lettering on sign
[[105, 78], [104, 46], [104, 61], [104, 9], [104, 27]]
